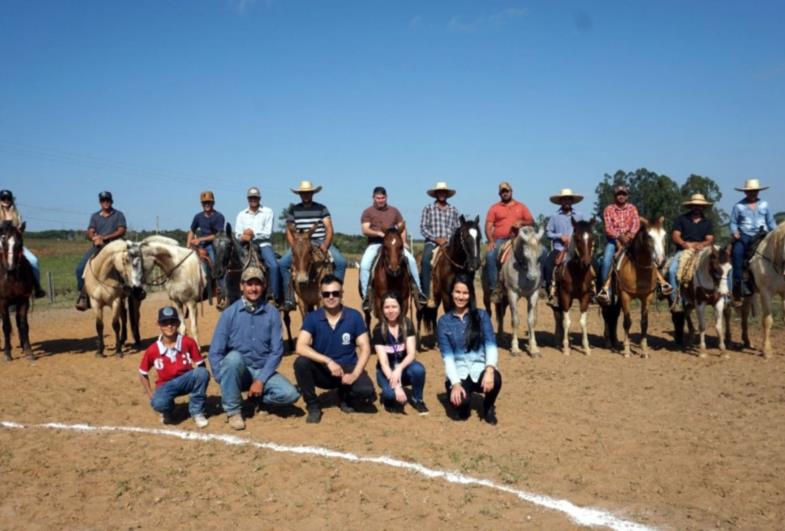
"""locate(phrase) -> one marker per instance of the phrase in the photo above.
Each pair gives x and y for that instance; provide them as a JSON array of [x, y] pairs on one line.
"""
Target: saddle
[[504, 253]]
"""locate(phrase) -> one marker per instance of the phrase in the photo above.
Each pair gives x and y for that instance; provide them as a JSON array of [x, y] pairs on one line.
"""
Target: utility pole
[[157, 225]]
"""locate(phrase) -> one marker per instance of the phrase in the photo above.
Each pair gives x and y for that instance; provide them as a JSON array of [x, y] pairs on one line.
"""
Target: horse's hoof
[[587, 352], [30, 356], [626, 354], [725, 356], [644, 355], [100, 355], [119, 354], [565, 352], [701, 354], [7, 357], [515, 353]]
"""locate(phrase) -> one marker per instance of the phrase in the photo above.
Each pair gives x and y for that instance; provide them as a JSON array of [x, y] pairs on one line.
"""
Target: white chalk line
[[586, 516]]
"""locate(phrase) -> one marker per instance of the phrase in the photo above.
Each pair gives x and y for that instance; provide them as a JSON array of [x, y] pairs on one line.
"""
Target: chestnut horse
[[635, 277], [462, 254], [575, 281], [16, 287], [390, 273], [309, 266]]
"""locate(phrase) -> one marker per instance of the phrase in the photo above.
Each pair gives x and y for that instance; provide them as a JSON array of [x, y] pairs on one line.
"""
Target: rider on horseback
[[437, 224], [749, 218], [559, 232], [10, 214], [254, 226], [105, 226], [375, 220], [207, 224], [690, 231]]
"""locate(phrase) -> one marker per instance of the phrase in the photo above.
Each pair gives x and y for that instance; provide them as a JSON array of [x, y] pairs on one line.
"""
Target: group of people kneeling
[[333, 347]]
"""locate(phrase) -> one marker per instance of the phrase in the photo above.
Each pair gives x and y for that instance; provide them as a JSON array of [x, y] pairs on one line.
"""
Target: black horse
[[16, 287]]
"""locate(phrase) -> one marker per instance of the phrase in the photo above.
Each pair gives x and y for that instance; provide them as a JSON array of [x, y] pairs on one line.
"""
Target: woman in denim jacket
[[468, 347]]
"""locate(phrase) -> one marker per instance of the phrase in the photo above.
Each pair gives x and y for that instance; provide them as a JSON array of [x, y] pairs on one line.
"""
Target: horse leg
[[531, 308], [6, 332], [134, 304], [726, 317], [585, 331], [99, 327], [184, 314], [123, 321], [701, 310], [194, 321], [767, 319], [515, 317], [23, 327], [745, 322], [118, 317], [626, 323], [557, 319], [287, 321], [645, 326], [566, 332]]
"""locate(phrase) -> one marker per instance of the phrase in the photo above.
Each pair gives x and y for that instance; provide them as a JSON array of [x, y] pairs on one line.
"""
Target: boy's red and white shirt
[[171, 362]]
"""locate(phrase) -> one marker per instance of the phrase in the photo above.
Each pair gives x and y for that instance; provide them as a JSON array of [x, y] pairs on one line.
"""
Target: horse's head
[[12, 243], [527, 250], [642, 246], [302, 254], [469, 238], [392, 251], [130, 263], [582, 241], [659, 237], [222, 247]]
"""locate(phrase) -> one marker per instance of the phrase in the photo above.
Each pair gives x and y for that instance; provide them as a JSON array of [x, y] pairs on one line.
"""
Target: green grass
[[60, 257]]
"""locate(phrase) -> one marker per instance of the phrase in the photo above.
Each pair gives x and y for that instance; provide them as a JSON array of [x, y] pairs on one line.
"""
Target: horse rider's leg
[[531, 318], [645, 325], [491, 263], [701, 310], [737, 260], [512, 299], [673, 269], [627, 322], [339, 262], [82, 302], [605, 273], [420, 296], [273, 272], [426, 269], [566, 331], [99, 327], [365, 267], [33, 261], [767, 319], [285, 267], [6, 330]]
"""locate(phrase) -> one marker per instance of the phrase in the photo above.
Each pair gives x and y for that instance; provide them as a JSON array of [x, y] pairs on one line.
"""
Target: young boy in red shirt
[[179, 368]]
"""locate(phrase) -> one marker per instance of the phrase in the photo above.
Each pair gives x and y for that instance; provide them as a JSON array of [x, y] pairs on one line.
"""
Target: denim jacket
[[458, 364], [747, 221]]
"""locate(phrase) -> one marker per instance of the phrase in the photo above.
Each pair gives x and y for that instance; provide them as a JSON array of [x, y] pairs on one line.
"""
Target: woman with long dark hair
[[468, 347], [395, 344]]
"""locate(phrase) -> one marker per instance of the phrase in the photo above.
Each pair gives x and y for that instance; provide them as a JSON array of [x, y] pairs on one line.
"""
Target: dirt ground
[[673, 441]]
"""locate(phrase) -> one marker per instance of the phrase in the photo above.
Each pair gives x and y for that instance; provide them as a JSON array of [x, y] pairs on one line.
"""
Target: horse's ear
[[229, 232], [462, 219], [22, 228], [477, 219], [592, 221], [540, 233], [572, 220]]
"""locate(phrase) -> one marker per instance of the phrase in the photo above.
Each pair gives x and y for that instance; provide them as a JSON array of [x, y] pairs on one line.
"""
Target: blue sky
[[158, 100]]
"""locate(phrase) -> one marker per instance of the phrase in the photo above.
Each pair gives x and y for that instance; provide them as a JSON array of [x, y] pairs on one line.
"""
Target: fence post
[[51, 286]]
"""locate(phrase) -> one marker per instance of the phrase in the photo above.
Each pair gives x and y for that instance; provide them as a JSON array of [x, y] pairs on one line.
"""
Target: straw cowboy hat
[[441, 186], [566, 192], [697, 200], [306, 186], [751, 185]]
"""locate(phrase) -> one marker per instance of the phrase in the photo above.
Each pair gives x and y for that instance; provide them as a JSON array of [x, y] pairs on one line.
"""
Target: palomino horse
[[309, 266], [110, 278], [575, 281], [460, 255], [390, 273], [767, 266], [16, 287], [634, 278], [521, 276], [708, 286], [181, 273]]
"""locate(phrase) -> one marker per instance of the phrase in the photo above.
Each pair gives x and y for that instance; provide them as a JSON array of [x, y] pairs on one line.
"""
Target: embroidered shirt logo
[[346, 338]]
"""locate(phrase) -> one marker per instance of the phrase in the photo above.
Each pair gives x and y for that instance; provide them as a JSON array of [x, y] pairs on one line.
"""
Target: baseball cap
[[504, 185], [380, 190], [253, 192], [7, 195], [206, 196], [167, 313], [252, 272], [105, 195]]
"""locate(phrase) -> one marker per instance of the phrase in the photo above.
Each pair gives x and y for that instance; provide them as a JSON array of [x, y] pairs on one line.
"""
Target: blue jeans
[[33, 263], [237, 377], [285, 263], [491, 270], [673, 269], [607, 261], [81, 266], [193, 382], [737, 258], [366, 262], [426, 271], [273, 272], [413, 374]]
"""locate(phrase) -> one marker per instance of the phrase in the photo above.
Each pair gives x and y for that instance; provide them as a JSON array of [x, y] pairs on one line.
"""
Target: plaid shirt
[[438, 222], [620, 220]]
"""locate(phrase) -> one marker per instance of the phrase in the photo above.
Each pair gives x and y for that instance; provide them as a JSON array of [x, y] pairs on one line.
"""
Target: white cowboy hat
[[441, 186], [751, 185], [697, 200], [566, 192], [306, 186]]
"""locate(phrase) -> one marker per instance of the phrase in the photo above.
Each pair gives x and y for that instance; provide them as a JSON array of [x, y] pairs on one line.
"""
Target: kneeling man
[[246, 350]]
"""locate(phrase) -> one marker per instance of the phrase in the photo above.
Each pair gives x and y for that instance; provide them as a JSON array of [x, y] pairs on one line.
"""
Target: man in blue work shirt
[[246, 350], [328, 346], [559, 232]]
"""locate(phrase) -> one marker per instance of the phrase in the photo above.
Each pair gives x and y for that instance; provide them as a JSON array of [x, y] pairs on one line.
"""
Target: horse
[[708, 286], [390, 273], [112, 276], [182, 275], [16, 287], [309, 265], [767, 267], [575, 281], [462, 254], [634, 278]]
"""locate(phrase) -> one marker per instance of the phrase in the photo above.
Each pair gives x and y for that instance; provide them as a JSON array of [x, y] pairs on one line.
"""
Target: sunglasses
[[168, 323], [208, 202], [331, 294]]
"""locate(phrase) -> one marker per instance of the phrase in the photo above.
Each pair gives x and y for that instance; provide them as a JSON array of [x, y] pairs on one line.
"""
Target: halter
[[166, 276], [463, 248]]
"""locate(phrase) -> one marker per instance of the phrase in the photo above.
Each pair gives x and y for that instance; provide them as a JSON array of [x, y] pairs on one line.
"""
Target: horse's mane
[[773, 247], [392, 230], [580, 226], [157, 238]]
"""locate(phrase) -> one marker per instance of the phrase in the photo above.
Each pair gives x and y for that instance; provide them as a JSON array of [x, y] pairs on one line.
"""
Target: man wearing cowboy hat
[[438, 222], [303, 216], [559, 232], [691, 230], [205, 225], [748, 218], [254, 225]]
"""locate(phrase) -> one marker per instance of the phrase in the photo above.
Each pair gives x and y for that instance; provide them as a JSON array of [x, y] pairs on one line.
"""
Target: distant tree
[[542, 221], [282, 217], [779, 217]]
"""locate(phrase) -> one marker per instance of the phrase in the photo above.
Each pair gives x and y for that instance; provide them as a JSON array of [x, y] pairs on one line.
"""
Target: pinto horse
[[462, 254], [390, 273], [16, 287], [309, 266], [634, 278], [575, 281]]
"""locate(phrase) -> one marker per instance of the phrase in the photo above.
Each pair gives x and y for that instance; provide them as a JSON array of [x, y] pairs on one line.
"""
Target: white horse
[[768, 269], [181, 274], [108, 277], [521, 277], [709, 287]]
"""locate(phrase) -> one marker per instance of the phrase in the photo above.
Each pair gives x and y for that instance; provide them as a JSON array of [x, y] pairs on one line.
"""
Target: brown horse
[[575, 281], [390, 273], [634, 278], [309, 266], [460, 255], [16, 287]]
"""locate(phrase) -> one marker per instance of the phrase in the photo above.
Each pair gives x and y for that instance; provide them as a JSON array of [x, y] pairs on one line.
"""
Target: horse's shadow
[[52, 347]]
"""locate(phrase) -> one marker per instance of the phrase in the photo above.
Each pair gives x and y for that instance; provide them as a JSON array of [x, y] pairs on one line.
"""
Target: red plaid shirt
[[620, 220]]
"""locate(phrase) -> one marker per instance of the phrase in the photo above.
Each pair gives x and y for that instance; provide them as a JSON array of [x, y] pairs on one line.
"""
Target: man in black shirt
[[690, 231]]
